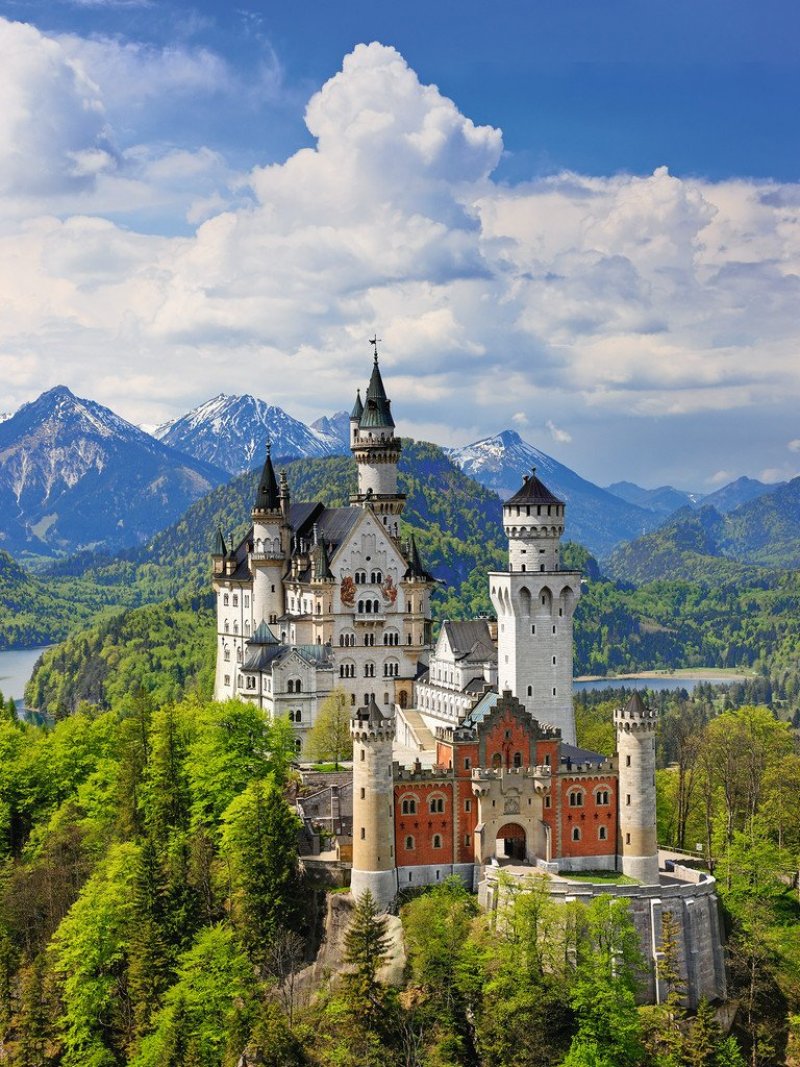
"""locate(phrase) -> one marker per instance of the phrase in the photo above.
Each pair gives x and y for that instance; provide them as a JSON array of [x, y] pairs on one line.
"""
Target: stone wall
[[693, 903]]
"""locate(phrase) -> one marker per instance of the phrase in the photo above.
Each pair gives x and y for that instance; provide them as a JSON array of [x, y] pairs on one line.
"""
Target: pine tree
[[703, 1037], [260, 840], [366, 950], [149, 968]]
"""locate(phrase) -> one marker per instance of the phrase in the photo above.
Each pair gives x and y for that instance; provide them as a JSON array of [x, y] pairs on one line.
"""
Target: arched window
[[497, 760], [530, 690], [376, 606], [602, 796], [576, 833], [437, 841], [298, 745], [602, 833], [238, 655], [361, 577], [409, 842], [576, 798], [369, 670], [436, 805], [517, 759], [227, 655], [376, 577], [225, 599], [408, 806], [361, 607]]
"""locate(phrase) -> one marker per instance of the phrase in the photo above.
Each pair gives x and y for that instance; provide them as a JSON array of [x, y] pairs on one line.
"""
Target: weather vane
[[375, 341]]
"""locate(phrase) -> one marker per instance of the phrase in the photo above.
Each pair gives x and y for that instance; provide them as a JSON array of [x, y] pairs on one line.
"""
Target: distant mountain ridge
[[74, 475], [706, 545], [595, 517], [665, 499], [232, 433]]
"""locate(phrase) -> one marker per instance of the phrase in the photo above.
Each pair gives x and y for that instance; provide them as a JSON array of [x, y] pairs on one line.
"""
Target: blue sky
[[578, 218]]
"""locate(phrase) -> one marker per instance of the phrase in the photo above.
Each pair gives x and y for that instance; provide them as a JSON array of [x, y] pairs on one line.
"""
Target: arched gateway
[[512, 836]]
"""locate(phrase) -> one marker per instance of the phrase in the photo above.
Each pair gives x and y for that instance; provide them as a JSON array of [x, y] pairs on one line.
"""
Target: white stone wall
[[534, 642], [636, 749]]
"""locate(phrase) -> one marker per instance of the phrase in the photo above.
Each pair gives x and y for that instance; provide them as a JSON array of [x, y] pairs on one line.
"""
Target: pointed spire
[[219, 544], [267, 498], [378, 409], [322, 570], [415, 568], [262, 635], [358, 407], [635, 705]]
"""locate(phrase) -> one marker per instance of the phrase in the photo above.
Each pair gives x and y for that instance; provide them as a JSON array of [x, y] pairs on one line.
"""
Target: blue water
[[687, 682], [16, 667]]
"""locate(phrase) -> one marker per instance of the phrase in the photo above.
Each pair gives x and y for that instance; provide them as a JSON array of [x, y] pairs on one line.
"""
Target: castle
[[464, 755]]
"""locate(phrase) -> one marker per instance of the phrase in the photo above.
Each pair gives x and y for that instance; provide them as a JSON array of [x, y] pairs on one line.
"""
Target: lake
[[16, 667], [656, 682]]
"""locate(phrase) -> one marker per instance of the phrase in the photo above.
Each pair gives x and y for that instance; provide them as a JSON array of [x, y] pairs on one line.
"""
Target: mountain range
[[707, 545], [74, 475], [232, 432], [595, 517]]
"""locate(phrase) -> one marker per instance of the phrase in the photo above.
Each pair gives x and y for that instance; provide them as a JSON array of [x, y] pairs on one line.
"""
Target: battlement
[[483, 774], [609, 766], [418, 773]]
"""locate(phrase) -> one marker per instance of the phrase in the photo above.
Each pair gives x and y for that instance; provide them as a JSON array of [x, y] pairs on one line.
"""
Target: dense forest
[[153, 910]]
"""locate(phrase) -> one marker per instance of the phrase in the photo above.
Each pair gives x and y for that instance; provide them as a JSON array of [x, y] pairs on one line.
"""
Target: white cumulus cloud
[[635, 295]]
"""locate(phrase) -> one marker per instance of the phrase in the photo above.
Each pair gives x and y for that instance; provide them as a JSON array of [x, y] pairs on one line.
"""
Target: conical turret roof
[[377, 410], [358, 407], [635, 706], [533, 491], [267, 496], [415, 568], [219, 544]]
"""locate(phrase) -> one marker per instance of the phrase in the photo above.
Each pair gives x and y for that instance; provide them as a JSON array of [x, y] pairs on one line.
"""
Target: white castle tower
[[535, 601], [271, 540], [373, 804], [376, 448], [636, 749]]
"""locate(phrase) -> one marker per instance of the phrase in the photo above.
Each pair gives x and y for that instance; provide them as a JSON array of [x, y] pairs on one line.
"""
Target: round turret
[[533, 520], [373, 804], [376, 449], [636, 748]]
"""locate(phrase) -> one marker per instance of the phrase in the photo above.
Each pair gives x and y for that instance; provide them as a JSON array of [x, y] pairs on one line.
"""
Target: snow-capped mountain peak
[[232, 432]]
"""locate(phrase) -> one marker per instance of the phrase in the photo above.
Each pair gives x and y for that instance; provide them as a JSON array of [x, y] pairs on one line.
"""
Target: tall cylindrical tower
[[636, 748], [269, 547], [535, 601], [376, 448], [373, 804]]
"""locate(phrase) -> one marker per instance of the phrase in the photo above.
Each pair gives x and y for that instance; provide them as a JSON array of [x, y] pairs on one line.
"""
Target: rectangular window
[[533, 629], [467, 805], [627, 761], [548, 801], [363, 793], [627, 839], [466, 839], [363, 833], [627, 800], [467, 763], [554, 690]]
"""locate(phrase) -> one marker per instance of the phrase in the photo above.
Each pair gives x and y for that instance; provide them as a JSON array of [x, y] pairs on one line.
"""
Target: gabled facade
[[335, 587]]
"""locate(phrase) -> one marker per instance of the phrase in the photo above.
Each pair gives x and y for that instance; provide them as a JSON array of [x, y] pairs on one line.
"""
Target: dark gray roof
[[358, 407], [636, 706], [261, 657], [464, 636], [415, 568], [580, 755], [219, 544], [475, 685], [267, 497], [262, 635], [533, 491], [480, 652], [370, 713], [377, 410], [264, 657]]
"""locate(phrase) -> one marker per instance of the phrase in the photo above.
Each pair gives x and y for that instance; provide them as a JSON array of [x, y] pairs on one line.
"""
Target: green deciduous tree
[[329, 738]]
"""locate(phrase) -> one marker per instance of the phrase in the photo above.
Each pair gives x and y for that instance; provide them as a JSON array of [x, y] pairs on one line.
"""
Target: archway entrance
[[511, 842]]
